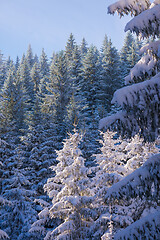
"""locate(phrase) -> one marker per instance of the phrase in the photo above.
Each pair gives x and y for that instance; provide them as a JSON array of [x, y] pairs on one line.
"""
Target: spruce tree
[[29, 57], [135, 198], [27, 83], [90, 86], [126, 54], [2, 69], [44, 71], [90, 83], [111, 78], [55, 102], [83, 47], [35, 75], [140, 100], [75, 104], [17, 217], [12, 105], [70, 194], [69, 49]]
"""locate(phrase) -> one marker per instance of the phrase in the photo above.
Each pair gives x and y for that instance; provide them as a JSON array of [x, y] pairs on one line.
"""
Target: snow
[[147, 226], [110, 119], [145, 66], [137, 182], [3, 235], [152, 46], [129, 6], [147, 23], [127, 95]]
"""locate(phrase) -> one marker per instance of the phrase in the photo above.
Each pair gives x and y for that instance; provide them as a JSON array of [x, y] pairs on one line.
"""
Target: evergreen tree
[[17, 217], [2, 69], [44, 71], [43, 63], [111, 78], [126, 54], [17, 63], [27, 83], [35, 59], [75, 106], [55, 102], [71, 197], [134, 198], [29, 57], [90, 86], [12, 105], [35, 75], [140, 101], [83, 47], [69, 49], [90, 83]]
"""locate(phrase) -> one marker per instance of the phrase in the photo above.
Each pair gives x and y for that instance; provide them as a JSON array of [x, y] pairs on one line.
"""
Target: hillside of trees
[[61, 178]]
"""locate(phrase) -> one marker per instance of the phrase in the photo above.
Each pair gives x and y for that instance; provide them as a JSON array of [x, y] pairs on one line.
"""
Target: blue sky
[[48, 23]]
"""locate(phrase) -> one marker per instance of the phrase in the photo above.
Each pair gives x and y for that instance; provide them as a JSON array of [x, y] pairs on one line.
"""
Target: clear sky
[[48, 23]]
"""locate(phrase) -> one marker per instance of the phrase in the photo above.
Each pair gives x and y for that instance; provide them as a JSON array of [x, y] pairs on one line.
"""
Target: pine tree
[[12, 105], [135, 198], [90, 83], [83, 47], [44, 71], [55, 102], [118, 158], [27, 83], [75, 105], [69, 49], [140, 101], [3, 202], [126, 54], [2, 69], [35, 75], [17, 217], [17, 63], [71, 197], [111, 78], [29, 57]]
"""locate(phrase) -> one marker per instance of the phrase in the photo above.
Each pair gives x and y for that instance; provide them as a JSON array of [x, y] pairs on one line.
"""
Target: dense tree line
[[41, 101]]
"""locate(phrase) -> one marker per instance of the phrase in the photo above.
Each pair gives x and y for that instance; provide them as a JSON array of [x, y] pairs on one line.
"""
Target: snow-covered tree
[[2, 69], [44, 71], [111, 77], [17, 208], [129, 54], [27, 83], [118, 158], [75, 104], [29, 57], [83, 47], [70, 193], [140, 100], [136, 198], [35, 75], [90, 83], [12, 104]]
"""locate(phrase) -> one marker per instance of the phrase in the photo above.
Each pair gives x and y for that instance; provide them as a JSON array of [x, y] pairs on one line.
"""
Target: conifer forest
[[79, 137]]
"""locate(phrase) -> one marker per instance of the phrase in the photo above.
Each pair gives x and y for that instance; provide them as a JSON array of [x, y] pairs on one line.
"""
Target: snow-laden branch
[[148, 226], [147, 23], [107, 121], [138, 183], [134, 95], [3, 235], [128, 95], [129, 6], [148, 65]]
